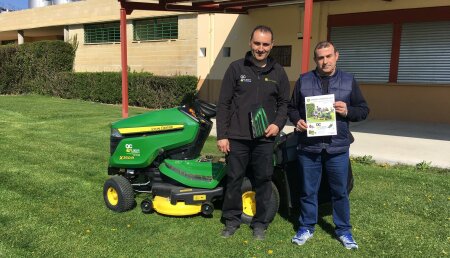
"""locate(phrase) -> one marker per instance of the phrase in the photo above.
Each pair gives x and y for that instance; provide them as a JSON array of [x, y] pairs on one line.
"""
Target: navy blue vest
[[341, 86]]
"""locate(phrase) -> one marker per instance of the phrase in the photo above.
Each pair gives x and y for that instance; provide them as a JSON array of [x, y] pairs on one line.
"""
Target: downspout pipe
[[123, 48], [307, 22]]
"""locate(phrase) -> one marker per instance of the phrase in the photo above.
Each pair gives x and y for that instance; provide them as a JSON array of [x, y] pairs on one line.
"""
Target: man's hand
[[301, 126], [272, 130], [223, 145], [341, 108]]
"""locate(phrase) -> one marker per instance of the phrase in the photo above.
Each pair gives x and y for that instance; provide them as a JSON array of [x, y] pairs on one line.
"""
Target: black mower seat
[[208, 110]]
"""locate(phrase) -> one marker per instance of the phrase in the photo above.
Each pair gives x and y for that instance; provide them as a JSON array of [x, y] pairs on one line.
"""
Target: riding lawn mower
[[158, 154]]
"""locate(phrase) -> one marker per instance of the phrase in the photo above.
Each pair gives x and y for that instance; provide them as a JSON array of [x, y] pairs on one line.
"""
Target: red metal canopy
[[204, 6]]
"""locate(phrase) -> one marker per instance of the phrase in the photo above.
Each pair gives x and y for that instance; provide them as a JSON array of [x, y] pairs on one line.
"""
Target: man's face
[[261, 44], [326, 60]]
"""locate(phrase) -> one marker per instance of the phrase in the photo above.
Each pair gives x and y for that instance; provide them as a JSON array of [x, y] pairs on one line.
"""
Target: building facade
[[398, 50]]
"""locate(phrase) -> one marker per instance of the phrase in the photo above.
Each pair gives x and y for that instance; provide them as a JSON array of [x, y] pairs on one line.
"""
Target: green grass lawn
[[54, 156]]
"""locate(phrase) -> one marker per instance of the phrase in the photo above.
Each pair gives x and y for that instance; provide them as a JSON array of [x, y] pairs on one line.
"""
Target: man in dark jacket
[[332, 151], [254, 81]]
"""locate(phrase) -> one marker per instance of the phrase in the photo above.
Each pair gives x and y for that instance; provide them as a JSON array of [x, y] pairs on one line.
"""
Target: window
[[102, 32], [418, 40], [202, 52], [367, 55], [226, 51], [282, 54], [156, 29], [425, 52]]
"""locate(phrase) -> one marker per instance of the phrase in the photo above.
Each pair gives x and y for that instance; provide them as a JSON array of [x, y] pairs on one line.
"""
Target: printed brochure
[[320, 115]]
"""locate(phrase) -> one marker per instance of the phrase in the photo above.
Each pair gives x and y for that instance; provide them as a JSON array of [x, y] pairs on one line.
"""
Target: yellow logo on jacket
[[267, 79]]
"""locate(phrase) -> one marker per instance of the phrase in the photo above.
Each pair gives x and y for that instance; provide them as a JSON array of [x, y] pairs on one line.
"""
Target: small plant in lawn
[[366, 160], [423, 165]]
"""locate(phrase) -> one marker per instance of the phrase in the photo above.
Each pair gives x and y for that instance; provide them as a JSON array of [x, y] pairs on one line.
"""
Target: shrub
[[100, 87], [159, 91], [45, 67], [423, 165], [145, 89], [48, 57], [10, 73], [366, 160], [29, 67]]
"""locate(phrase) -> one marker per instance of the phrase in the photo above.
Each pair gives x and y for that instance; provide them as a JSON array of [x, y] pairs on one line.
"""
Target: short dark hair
[[261, 28], [324, 44]]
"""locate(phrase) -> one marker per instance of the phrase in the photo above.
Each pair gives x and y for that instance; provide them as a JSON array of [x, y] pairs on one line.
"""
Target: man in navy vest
[[332, 151]]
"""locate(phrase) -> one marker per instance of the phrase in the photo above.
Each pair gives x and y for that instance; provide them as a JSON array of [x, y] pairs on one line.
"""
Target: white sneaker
[[348, 241], [302, 236]]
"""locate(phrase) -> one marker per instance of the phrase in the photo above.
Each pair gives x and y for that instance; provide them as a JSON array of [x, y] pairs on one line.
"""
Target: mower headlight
[[115, 133]]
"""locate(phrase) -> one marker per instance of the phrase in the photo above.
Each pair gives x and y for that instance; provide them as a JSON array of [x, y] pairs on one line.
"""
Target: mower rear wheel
[[249, 203], [147, 206], [118, 194]]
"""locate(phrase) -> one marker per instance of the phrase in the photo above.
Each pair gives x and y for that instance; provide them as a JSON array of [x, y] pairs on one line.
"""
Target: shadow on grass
[[293, 214], [326, 210]]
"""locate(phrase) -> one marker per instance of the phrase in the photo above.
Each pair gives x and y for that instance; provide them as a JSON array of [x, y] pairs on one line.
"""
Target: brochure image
[[320, 115]]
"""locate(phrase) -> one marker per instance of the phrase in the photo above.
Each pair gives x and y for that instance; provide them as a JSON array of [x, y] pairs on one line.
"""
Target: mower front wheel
[[147, 206], [207, 208], [118, 194]]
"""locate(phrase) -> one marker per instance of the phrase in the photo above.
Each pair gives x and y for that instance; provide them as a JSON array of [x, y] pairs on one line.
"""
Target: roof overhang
[[205, 6]]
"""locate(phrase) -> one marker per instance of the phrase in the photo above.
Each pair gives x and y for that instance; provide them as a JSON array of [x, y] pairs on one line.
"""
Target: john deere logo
[[128, 147], [267, 79]]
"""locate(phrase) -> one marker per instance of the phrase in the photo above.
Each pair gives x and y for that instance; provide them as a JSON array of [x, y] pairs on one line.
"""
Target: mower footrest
[[187, 195], [196, 195]]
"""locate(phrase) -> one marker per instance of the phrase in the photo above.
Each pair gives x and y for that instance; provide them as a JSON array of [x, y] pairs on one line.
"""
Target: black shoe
[[259, 233], [228, 231]]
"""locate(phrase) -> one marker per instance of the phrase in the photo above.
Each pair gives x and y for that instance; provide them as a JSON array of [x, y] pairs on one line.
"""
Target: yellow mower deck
[[162, 205]]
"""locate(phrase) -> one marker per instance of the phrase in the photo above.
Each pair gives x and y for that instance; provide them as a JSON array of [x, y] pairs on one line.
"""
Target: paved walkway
[[398, 142]]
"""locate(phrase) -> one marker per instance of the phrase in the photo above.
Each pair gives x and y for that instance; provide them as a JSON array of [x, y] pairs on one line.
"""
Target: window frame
[[156, 22], [281, 60], [367, 56], [395, 17], [114, 27]]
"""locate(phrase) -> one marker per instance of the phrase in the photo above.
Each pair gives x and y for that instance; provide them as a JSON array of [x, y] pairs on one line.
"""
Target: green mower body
[[158, 153], [141, 138]]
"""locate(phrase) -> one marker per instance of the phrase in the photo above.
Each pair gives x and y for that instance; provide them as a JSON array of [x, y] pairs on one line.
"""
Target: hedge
[[10, 74], [24, 67], [145, 89], [45, 67]]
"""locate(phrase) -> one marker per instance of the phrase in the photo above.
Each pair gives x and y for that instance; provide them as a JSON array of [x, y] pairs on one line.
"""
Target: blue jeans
[[310, 169]]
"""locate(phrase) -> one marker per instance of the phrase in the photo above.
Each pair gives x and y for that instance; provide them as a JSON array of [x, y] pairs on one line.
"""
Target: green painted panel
[[139, 152], [154, 118], [194, 173]]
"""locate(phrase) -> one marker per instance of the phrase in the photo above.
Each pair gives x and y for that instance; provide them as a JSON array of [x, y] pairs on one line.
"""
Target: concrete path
[[401, 142], [398, 142]]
